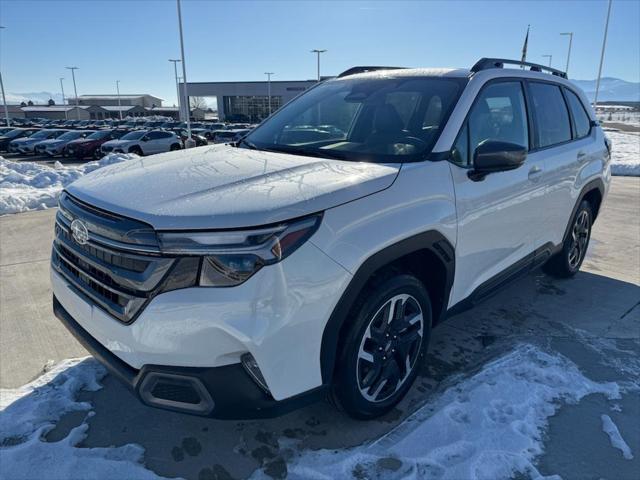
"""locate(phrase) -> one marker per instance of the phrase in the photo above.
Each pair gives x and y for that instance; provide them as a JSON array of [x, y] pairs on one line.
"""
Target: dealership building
[[248, 101]]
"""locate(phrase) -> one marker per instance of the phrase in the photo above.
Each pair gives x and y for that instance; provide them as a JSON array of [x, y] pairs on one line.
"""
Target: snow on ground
[[487, 426], [625, 158], [28, 186], [28, 413], [616, 439]]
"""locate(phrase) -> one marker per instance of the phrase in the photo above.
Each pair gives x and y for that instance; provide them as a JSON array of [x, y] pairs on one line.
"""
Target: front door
[[498, 216]]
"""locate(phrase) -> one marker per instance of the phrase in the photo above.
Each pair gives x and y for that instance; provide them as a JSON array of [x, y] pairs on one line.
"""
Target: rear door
[[499, 215], [566, 140]]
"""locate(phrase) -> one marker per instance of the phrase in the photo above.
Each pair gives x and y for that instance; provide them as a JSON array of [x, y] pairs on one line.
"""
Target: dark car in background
[[90, 146], [26, 145], [199, 138], [57, 146], [14, 134], [228, 136]]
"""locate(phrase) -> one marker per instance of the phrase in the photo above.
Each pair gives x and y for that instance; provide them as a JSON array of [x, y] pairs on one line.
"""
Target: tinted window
[[499, 114], [580, 118], [552, 117]]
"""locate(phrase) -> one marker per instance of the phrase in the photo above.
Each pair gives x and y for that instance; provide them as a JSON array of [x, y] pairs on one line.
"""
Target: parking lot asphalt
[[602, 302]]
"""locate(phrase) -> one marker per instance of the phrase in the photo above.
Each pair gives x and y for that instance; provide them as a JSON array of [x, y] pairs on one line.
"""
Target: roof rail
[[363, 69], [487, 63]]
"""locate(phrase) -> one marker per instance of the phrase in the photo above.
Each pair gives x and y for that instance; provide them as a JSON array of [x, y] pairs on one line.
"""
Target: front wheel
[[175, 147], [567, 261], [382, 351]]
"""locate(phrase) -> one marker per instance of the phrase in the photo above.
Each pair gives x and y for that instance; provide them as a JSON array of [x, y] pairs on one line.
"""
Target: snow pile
[[625, 157], [28, 186], [29, 412], [488, 426]]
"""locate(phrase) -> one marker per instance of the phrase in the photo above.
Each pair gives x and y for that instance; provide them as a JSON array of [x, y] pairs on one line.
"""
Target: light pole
[[268, 74], [63, 100], [75, 90], [318, 52], [119, 104], [175, 72], [189, 143], [570, 34], [4, 99], [604, 44], [550, 57]]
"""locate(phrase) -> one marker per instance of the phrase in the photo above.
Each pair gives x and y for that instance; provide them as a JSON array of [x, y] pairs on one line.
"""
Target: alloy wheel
[[390, 348], [579, 239]]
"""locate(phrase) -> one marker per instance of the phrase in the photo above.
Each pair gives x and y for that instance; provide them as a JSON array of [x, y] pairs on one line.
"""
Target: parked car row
[[95, 142]]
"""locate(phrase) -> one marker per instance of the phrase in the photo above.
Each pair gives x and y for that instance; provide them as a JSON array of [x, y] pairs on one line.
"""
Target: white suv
[[143, 142], [315, 256]]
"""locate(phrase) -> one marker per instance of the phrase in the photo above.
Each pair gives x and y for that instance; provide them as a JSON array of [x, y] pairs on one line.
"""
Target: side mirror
[[144, 139], [495, 156]]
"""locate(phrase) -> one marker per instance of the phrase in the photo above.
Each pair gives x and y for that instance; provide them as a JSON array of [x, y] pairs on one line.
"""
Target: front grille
[[115, 270]]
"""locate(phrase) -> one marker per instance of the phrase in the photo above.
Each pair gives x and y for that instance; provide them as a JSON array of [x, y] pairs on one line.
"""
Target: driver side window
[[498, 114]]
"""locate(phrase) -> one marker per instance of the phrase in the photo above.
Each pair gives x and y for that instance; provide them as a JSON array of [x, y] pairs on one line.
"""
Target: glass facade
[[250, 108]]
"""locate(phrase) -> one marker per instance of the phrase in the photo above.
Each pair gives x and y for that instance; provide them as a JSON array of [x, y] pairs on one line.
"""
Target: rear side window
[[580, 117], [552, 117]]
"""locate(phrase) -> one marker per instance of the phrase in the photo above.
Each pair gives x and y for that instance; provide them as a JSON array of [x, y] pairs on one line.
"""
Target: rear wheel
[[380, 357], [136, 150], [175, 147], [566, 263]]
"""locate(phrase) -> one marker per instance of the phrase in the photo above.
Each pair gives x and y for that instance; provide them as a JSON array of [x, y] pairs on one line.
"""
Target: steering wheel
[[415, 141]]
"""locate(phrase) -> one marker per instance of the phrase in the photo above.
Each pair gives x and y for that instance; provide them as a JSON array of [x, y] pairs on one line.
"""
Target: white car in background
[[143, 142]]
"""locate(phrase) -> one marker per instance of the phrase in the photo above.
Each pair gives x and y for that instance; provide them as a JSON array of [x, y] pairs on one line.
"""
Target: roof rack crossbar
[[364, 69], [487, 63]]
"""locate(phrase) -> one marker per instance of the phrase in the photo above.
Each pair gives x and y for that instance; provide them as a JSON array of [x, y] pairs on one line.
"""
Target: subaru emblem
[[79, 232]]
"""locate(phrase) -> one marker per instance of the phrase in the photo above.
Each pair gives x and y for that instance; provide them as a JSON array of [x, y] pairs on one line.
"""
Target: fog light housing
[[251, 366]]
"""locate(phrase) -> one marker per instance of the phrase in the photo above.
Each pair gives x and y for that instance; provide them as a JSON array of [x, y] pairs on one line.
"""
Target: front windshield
[[137, 135], [13, 133], [382, 119], [99, 135], [41, 134], [69, 135]]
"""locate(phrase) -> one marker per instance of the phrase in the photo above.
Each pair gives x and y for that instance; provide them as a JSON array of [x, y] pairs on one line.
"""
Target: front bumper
[[225, 392]]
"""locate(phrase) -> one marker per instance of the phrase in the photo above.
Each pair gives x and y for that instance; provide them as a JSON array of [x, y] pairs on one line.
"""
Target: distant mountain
[[36, 97], [611, 89]]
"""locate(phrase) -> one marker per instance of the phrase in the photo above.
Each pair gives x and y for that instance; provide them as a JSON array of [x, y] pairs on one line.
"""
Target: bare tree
[[198, 102]]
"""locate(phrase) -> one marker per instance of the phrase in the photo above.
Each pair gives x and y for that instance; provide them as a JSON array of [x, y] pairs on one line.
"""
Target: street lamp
[[175, 72], [268, 74], [190, 142], [550, 57], [318, 52], [63, 100], [570, 34], [604, 44], [4, 99], [75, 90], [119, 104]]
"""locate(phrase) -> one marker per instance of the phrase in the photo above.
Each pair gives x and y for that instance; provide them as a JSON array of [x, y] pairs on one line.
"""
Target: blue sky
[[240, 40]]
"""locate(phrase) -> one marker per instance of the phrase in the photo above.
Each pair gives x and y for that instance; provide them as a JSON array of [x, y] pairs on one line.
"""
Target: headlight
[[230, 257]]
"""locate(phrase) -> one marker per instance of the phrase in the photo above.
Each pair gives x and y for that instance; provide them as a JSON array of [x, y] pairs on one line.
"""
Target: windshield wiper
[[309, 153], [247, 143]]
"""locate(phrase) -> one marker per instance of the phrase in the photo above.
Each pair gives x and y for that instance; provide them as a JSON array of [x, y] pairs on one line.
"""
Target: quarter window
[[552, 117], [580, 117]]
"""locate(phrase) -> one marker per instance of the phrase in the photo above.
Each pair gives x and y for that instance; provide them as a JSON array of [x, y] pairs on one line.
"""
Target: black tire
[[136, 150], [567, 262], [356, 376], [97, 154], [175, 147]]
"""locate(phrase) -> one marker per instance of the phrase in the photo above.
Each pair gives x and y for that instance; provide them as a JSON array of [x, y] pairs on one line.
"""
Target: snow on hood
[[227, 187]]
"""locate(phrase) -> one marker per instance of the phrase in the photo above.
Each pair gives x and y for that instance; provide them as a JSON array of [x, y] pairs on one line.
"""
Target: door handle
[[582, 157], [535, 174]]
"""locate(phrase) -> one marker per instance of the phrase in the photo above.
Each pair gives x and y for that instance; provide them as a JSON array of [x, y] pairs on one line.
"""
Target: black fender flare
[[596, 184], [431, 240]]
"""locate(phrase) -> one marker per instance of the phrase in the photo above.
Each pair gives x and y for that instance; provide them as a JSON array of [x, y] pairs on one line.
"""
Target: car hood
[[20, 141], [51, 142], [82, 141], [227, 187]]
